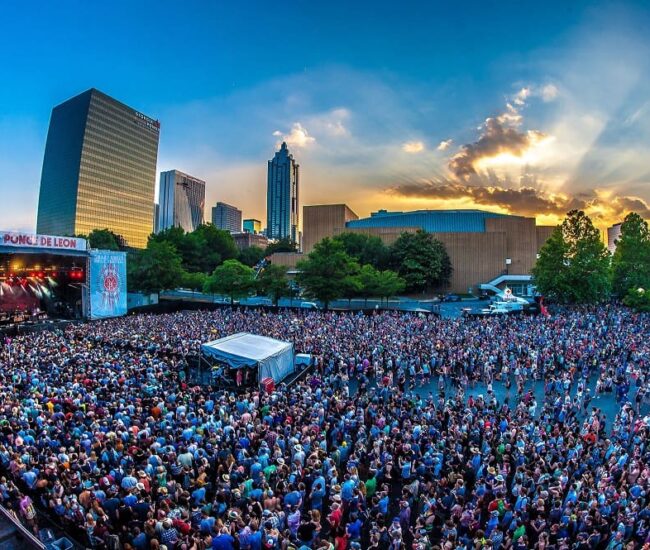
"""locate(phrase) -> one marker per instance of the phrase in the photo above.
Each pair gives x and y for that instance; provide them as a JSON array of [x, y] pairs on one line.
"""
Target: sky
[[529, 108]]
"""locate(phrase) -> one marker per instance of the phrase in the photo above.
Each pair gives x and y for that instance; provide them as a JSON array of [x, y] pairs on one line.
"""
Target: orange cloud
[[496, 139], [603, 207]]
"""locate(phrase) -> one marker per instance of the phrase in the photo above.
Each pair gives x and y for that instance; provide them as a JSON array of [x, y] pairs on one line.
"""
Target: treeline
[[354, 265], [204, 260], [575, 267], [349, 265], [175, 258]]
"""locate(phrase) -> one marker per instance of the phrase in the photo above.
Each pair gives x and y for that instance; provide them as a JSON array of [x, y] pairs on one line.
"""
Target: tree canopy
[[231, 278], [156, 268], [379, 284], [631, 260], [421, 260], [283, 245], [251, 256], [201, 250], [273, 282], [365, 249], [328, 272], [573, 265], [104, 239]]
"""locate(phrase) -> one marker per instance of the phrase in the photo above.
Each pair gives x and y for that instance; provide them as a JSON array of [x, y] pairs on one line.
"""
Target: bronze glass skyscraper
[[99, 169]]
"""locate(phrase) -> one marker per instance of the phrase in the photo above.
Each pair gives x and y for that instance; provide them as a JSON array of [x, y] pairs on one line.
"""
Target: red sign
[[32, 240]]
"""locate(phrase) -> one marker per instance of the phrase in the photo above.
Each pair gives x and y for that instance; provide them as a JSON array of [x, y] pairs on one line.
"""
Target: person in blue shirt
[[347, 488], [223, 541]]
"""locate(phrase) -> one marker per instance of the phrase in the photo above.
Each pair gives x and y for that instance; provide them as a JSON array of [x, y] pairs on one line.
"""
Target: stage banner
[[107, 284]]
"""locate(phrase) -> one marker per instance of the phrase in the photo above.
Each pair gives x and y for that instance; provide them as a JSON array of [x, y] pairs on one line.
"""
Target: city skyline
[[528, 113]]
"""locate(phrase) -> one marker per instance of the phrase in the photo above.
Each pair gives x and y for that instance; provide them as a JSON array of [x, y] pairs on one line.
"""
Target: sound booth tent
[[272, 358]]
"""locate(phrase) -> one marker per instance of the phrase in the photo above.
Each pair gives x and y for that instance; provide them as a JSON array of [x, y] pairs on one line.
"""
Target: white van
[[500, 308]]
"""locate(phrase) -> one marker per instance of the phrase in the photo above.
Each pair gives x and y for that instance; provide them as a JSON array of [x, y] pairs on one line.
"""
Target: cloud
[[525, 200], [496, 139], [413, 147], [297, 137], [549, 92], [445, 144], [521, 96], [511, 116], [332, 123], [604, 207]]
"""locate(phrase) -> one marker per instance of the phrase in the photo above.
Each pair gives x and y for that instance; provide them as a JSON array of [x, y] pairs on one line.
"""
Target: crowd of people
[[411, 432]]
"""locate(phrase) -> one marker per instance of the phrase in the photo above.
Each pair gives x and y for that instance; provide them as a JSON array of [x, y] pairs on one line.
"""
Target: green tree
[[379, 284], [328, 272], [389, 284], [272, 282], [631, 260], [283, 245], [421, 260], [172, 235], [365, 249], [219, 246], [231, 278], [573, 266], [197, 258], [194, 281], [551, 267], [104, 239], [251, 256], [201, 250], [638, 299], [155, 268]]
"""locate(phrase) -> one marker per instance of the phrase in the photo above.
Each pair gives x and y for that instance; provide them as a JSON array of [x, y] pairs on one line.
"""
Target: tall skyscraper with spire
[[282, 196]]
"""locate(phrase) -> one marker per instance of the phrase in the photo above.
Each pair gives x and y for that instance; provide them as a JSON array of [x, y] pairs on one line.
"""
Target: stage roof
[[273, 357]]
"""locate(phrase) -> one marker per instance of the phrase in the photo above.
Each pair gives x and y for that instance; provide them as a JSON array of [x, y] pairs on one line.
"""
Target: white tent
[[272, 358]]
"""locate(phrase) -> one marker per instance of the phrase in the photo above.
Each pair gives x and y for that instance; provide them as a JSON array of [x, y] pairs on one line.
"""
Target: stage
[[45, 278]]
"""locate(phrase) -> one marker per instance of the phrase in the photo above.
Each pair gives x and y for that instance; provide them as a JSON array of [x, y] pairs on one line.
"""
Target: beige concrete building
[[323, 220], [483, 247]]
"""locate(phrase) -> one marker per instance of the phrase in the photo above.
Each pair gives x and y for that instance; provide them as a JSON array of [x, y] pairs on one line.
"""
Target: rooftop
[[433, 221]]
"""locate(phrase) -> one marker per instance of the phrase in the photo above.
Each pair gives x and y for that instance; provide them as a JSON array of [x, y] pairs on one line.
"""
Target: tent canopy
[[273, 358]]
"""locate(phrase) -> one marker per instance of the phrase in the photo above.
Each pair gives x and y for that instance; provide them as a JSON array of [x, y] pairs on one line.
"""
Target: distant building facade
[[226, 216], [613, 234], [246, 240], [181, 201], [252, 225], [484, 247], [282, 196], [323, 220], [99, 169]]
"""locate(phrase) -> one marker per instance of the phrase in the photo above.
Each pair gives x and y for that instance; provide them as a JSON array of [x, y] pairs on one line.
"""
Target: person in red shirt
[[335, 516]]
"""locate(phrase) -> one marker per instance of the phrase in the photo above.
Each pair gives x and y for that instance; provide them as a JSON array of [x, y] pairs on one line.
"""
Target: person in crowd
[[411, 432]]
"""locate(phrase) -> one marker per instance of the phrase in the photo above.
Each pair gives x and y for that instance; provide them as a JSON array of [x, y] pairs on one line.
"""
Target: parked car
[[451, 298], [501, 308]]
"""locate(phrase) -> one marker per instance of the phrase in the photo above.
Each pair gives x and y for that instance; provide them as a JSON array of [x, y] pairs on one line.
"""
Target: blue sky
[[527, 107]]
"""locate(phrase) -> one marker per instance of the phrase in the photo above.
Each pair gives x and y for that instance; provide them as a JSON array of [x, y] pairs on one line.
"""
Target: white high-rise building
[[181, 201]]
